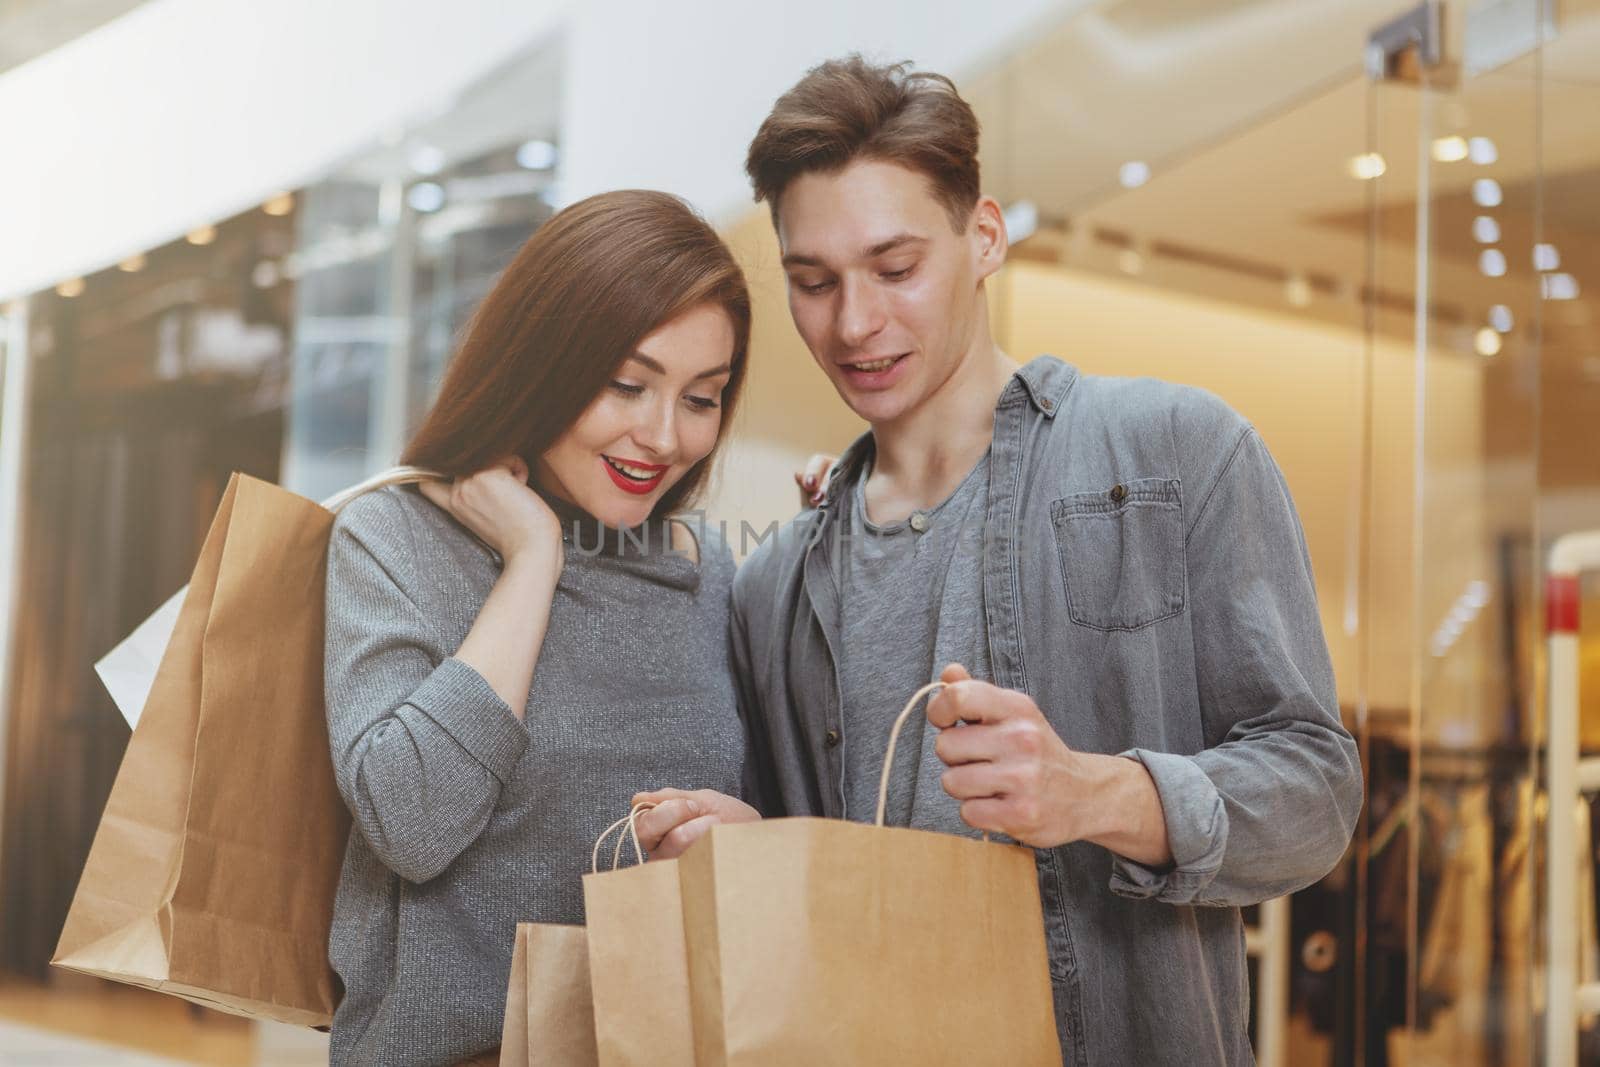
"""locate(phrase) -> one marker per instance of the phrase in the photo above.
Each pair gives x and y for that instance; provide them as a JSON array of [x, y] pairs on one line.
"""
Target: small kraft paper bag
[[638, 969], [213, 872], [821, 941], [549, 1014]]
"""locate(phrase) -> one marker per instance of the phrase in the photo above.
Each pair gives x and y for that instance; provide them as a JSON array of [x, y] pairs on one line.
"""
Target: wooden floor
[[78, 1020]]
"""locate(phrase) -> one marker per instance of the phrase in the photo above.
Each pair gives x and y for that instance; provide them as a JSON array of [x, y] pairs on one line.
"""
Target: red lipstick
[[629, 484]]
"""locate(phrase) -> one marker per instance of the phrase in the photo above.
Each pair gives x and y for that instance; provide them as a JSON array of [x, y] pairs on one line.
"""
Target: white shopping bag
[[128, 670]]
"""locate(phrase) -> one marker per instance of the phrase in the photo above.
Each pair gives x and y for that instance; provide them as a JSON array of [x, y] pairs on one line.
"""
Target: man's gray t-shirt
[[911, 602]]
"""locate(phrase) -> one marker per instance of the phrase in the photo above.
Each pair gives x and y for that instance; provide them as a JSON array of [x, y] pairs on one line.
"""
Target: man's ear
[[989, 231]]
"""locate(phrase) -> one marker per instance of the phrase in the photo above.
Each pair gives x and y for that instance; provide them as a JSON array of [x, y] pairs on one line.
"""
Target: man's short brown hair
[[849, 109]]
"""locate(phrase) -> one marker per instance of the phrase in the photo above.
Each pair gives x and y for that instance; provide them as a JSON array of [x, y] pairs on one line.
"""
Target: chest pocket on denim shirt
[[1122, 553]]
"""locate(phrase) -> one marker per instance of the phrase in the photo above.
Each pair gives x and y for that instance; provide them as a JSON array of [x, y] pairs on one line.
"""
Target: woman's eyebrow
[[655, 365]]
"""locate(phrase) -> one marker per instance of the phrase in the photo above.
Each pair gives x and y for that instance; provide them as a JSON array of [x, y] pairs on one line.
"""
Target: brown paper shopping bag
[[638, 968], [820, 941], [549, 1016], [213, 872]]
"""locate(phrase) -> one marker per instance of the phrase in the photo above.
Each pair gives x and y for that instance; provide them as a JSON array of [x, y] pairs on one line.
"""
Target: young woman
[[514, 654]]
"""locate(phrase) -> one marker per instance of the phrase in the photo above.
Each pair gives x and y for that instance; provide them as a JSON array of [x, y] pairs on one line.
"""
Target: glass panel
[[1568, 440], [1225, 244], [392, 254], [1456, 237]]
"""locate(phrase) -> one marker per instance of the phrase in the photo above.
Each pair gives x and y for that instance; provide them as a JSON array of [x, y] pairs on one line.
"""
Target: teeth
[[877, 365], [638, 474]]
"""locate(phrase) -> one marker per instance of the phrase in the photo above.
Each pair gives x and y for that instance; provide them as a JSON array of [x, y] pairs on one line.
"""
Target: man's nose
[[861, 312]]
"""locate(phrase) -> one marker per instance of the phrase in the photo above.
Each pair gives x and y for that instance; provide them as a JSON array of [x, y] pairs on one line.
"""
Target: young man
[[1110, 573]]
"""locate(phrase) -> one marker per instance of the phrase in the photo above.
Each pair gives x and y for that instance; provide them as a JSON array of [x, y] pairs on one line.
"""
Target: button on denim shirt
[[1146, 581]]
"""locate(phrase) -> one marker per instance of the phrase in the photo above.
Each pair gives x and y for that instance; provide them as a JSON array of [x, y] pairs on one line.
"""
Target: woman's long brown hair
[[588, 286]]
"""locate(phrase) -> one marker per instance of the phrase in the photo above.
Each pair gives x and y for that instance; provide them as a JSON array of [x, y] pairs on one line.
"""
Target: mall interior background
[[233, 239]]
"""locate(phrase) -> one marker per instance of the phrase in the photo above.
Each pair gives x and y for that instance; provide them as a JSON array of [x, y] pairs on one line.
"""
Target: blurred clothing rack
[[1571, 778]]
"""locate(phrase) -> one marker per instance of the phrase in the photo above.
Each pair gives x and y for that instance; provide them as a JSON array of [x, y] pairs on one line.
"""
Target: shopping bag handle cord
[[627, 820], [894, 736]]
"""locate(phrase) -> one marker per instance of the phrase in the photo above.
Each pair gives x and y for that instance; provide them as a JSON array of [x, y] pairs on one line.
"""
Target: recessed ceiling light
[[1450, 149], [536, 155], [1559, 287], [1022, 221], [1367, 166], [1486, 192], [425, 159], [1297, 291], [426, 197]]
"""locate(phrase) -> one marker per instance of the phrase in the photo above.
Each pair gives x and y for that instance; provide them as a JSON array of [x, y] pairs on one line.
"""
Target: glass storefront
[[394, 251]]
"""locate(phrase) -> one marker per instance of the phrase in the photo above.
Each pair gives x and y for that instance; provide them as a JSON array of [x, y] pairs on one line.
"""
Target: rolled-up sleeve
[[1270, 805], [421, 744]]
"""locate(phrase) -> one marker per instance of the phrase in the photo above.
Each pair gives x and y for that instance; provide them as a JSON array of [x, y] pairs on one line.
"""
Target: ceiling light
[[202, 235], [1487, 342], [426, 197], [425, 159], [536, 155], [1297, 291], [71, 287], [1485, 230], [1545, 257], [279, 205], [1022, 221], [1492, 262], [1482, 151], [133, 263], [1450, 149], [1134, 174], [1486, 192], [1500, 318], [1559, 286], [1367, 166]]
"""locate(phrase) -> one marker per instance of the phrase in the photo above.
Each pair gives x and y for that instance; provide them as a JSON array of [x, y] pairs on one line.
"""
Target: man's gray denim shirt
[[1147, 583]]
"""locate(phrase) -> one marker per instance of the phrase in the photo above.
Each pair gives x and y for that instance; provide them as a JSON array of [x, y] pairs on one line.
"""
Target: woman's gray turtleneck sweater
[[466, 820]]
